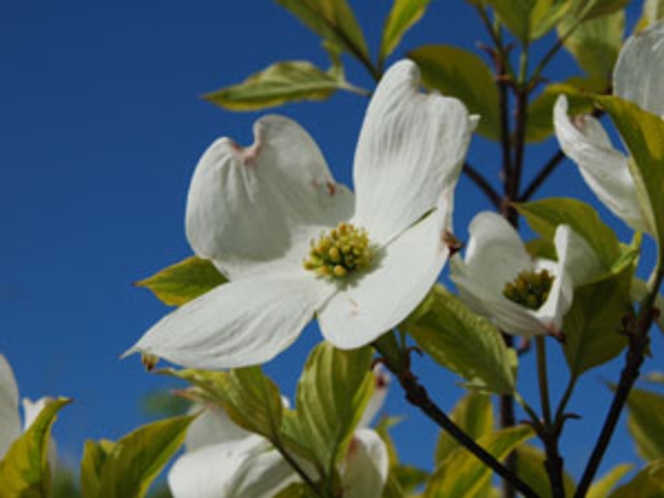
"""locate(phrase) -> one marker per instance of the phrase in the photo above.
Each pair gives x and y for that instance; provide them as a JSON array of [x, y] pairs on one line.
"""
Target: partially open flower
[[523, 295], [294, 243]]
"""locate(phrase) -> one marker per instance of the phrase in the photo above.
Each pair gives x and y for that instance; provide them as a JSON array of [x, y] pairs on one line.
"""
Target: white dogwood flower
[[523, 295], [223, 460], [637, 77], [294, 243], [11, 427]]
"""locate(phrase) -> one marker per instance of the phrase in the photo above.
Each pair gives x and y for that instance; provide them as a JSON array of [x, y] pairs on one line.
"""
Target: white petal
[[382, 381], [639, 71], [230, 471], [495, 253], [383, 297], [10, 422], [411, 148], [603, 168], [366, 466], [241, 323], [214, 426], [248, 207], [581, 261]]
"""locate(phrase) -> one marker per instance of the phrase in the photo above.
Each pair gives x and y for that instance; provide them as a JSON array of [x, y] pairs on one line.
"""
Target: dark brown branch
[[482, 184], [542, 176]]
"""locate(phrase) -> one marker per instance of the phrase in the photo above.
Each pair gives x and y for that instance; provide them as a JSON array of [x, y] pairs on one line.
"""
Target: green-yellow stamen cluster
[[343, 250], [530, 288]]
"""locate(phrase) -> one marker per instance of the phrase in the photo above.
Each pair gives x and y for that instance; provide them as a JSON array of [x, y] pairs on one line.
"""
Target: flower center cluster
[[530, 288], [343, 250]]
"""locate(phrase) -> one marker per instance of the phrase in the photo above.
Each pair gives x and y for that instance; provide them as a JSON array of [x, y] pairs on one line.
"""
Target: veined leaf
[[648, 483], [529, 19], [474, 415], [333, 20], [603, 486], [184, 281], [530, 468], [278, 84], [25, 471], [128, 467], [331, 396], [646, 423], [462, 474], [462, 74], [589, 9], [455, 337], [403, 15], [643, 132]]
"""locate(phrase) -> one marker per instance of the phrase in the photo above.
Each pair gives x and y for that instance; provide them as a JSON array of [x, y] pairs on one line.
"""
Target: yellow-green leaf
[[646, 423], [128, 467], [278, 84], [595, 43], [588, 9], [473, 414], [333, 20], [643, 132], [648, 483], [529, 19], [183, 281], [462, 74], [403, 15], [25, 471], [603, 486], [455, 337], [332, 393], [530, 468], [463, 475]]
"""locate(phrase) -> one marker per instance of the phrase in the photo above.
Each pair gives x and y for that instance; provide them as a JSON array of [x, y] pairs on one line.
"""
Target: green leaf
[[392, 489], [278, 84], [455, 338], [473, 414], [333, 20], [463, 475], [530, 468], [462, 74], [296, 490], [588, 9], [594, 322], [540, 110], [183, 281], [602, 487], [544, 217], [648, 483], [595, 43], [331, 396], [529, 19], [643, 133], [404, 14], [128, 467], [25, 471], [646, 423]]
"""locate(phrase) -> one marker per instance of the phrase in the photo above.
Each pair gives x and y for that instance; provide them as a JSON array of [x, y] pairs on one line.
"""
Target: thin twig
[[482, 184], [542, 176]]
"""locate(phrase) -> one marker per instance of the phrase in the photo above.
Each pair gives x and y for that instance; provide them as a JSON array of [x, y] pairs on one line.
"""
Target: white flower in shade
[[10, 418], [224, 461], [637, 77], [294, 243], [523, 295]]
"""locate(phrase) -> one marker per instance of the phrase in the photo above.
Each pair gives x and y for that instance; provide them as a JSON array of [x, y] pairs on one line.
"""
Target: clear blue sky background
[[100, 129]]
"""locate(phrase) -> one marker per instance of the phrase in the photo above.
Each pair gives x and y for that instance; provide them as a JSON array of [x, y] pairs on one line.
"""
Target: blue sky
[[100, 129]]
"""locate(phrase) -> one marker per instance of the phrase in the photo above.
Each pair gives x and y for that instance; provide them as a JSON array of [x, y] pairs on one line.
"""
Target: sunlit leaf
[[530, 468], [25, 471], [603, 486], [296, 490], [462, 474], [529, 19], [278, 84], [403, 15], [462, 74], [588, 9], [455, 338], [183, 281], [474, 415], [331, 396], [646, 423], [643, 132], [648, 483], [128, 467]]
